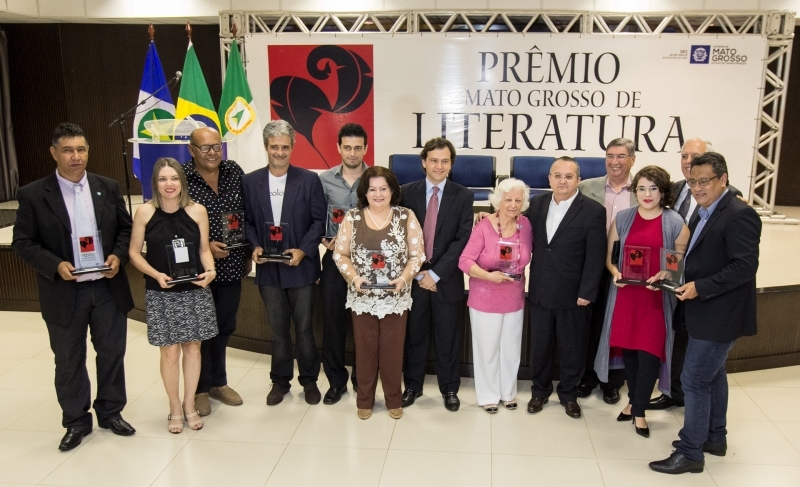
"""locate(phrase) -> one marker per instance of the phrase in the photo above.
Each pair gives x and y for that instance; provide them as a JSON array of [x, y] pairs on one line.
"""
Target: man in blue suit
[[285, 212]]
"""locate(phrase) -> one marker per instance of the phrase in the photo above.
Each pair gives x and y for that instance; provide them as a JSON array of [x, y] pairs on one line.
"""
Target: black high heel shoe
[[624, 417], [641, 431]]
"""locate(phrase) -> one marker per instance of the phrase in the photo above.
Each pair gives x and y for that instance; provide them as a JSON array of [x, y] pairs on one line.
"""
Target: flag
[[194, 100], [241, 126], [156, 108]]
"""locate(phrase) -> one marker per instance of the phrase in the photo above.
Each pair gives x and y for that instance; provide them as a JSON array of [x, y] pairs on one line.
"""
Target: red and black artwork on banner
[[317, 89]]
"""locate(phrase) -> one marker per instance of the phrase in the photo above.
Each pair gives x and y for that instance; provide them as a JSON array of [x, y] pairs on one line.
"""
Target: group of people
[[393, 265]]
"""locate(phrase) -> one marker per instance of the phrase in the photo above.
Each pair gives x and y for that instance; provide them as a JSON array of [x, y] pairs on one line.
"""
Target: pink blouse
[[487, 296]]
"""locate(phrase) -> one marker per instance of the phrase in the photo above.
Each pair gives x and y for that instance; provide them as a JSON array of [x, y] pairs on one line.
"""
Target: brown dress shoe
[[202, 404], [311, 391], [572, 409], [536, 404], [396, 413], [364, 413], [226, 395], [276, 394]]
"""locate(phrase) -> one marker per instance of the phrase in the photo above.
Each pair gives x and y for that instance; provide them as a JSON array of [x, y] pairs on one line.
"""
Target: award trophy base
[[234, 246], [181, 280], [264, 258], [668, 286], [633, 282], [516, 277], [90, 270], [377, 286]]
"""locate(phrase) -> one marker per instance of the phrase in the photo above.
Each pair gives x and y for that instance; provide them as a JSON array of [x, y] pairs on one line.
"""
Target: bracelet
[[404, 280], [211, 270]]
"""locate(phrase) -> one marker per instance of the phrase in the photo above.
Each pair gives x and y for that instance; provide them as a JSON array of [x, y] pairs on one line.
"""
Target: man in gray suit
[[613, 192]]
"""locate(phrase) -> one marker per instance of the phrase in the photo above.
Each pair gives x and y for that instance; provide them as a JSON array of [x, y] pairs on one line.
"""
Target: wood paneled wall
[[788, 192], [89, 74]]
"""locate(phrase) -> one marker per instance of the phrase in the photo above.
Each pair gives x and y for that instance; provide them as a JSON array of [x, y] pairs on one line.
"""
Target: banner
[[508, 95]]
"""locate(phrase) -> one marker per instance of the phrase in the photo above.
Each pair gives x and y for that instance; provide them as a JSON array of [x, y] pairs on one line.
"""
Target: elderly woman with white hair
[[495, 258]]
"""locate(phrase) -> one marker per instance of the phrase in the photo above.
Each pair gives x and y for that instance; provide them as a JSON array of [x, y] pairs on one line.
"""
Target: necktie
[[429, 228], [83, 222], [684, 208]]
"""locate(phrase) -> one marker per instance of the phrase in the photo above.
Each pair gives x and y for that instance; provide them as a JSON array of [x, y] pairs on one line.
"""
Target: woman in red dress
[[641, 316]]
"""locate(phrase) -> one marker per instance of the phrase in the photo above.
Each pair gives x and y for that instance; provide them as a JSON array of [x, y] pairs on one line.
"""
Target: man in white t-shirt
[[285, 214]]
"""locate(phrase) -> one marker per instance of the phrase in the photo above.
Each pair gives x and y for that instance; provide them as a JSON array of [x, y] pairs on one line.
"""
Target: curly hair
[[662, 180]]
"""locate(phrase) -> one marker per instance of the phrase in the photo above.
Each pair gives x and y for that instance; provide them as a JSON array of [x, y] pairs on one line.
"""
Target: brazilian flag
[[194, 99]]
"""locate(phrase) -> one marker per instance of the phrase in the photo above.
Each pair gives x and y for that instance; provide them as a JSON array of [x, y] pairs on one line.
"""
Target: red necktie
[[429, 229]]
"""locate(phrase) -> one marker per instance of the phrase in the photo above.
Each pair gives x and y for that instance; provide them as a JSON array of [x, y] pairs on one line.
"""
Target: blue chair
[[533, 170], [591, 167], [477, 173], [407, 167]]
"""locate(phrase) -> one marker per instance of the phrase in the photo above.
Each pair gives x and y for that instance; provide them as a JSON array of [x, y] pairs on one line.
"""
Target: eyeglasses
[[619, 157], [206, 148], [559, 177], [643, 189], [702, 182]]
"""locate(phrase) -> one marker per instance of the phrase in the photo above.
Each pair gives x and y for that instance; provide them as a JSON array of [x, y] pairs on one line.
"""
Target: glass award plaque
[[635, 265], [671, 270], [378, 274], [89, 257], [508, 258], [274, 247], [233, 230], [335, 218], [182, 261]]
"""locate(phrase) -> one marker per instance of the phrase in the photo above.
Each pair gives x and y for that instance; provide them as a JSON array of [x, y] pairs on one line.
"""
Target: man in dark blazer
[[293, 201], [720, 304], [438, 289], [569, 250], [687, 207], [46, 237]]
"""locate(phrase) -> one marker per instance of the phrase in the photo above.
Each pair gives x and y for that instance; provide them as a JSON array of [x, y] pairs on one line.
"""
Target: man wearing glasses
[[613, 192], [217, 185], [720, 300], [687, 207], [566, 269]]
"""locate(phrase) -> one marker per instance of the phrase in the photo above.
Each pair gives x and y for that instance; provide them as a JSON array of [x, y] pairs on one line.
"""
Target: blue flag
[[157, 108]]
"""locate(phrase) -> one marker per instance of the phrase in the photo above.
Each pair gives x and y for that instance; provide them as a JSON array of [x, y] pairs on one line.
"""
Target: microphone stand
[[121, 121]]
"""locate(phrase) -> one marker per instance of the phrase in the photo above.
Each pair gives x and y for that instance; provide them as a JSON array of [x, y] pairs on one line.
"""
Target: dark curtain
[[9, 171]]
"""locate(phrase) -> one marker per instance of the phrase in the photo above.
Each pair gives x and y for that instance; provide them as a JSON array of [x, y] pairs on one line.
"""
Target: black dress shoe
[[451, 402], [611, 396], [72, 438], [311, 393], [624, 417], [572, 409], [716, 449], [118, 426], [409, 396], [677, 463], [641, 431], [333, 395], [663, 402], [276, 393], [536, 404], [584, 389]]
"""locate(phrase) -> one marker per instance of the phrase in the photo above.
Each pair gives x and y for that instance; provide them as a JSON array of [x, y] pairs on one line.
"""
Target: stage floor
[[778, 262]]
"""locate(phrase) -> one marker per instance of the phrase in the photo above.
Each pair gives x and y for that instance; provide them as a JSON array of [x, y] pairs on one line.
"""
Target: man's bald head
[[691, 149]]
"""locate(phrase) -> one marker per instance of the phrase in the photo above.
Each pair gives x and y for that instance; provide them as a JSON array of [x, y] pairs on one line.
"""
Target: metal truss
[[776, 26]]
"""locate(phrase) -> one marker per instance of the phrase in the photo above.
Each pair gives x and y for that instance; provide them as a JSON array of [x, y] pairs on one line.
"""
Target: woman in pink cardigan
[[495, 258]]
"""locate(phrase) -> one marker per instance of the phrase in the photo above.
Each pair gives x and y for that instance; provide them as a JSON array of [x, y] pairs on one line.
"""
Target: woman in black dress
[[179, 315]]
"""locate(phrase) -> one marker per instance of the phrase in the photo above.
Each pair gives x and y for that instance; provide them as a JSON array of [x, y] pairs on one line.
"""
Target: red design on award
[[275, 233], [635, 257], [317, 89], [337, 215], [86, 243], [506, 252], [672, 262], [378, 261], [233, 222]]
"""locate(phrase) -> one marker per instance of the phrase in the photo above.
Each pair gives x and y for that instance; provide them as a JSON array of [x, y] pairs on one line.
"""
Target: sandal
[[490, 408], [510, 404], [174, 426], [195, 424]]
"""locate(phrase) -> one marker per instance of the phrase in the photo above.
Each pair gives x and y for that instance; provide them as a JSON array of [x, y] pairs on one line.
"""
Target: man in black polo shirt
[[217, 185]]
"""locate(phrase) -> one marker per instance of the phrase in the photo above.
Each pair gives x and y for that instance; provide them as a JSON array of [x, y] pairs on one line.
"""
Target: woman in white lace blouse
[[379, 244]]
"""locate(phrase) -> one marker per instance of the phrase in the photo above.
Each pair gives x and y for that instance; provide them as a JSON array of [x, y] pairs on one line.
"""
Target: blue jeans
[[283, 307], [705, 389]]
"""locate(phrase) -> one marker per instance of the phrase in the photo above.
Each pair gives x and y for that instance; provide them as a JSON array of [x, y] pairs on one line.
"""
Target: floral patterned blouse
[[392, 252]]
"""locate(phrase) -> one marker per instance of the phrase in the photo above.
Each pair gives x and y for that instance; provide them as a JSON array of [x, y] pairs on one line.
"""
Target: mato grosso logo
[[716, 55]]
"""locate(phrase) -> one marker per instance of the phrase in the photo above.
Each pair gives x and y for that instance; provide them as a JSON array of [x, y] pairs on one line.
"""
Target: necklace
[[369, 213]]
